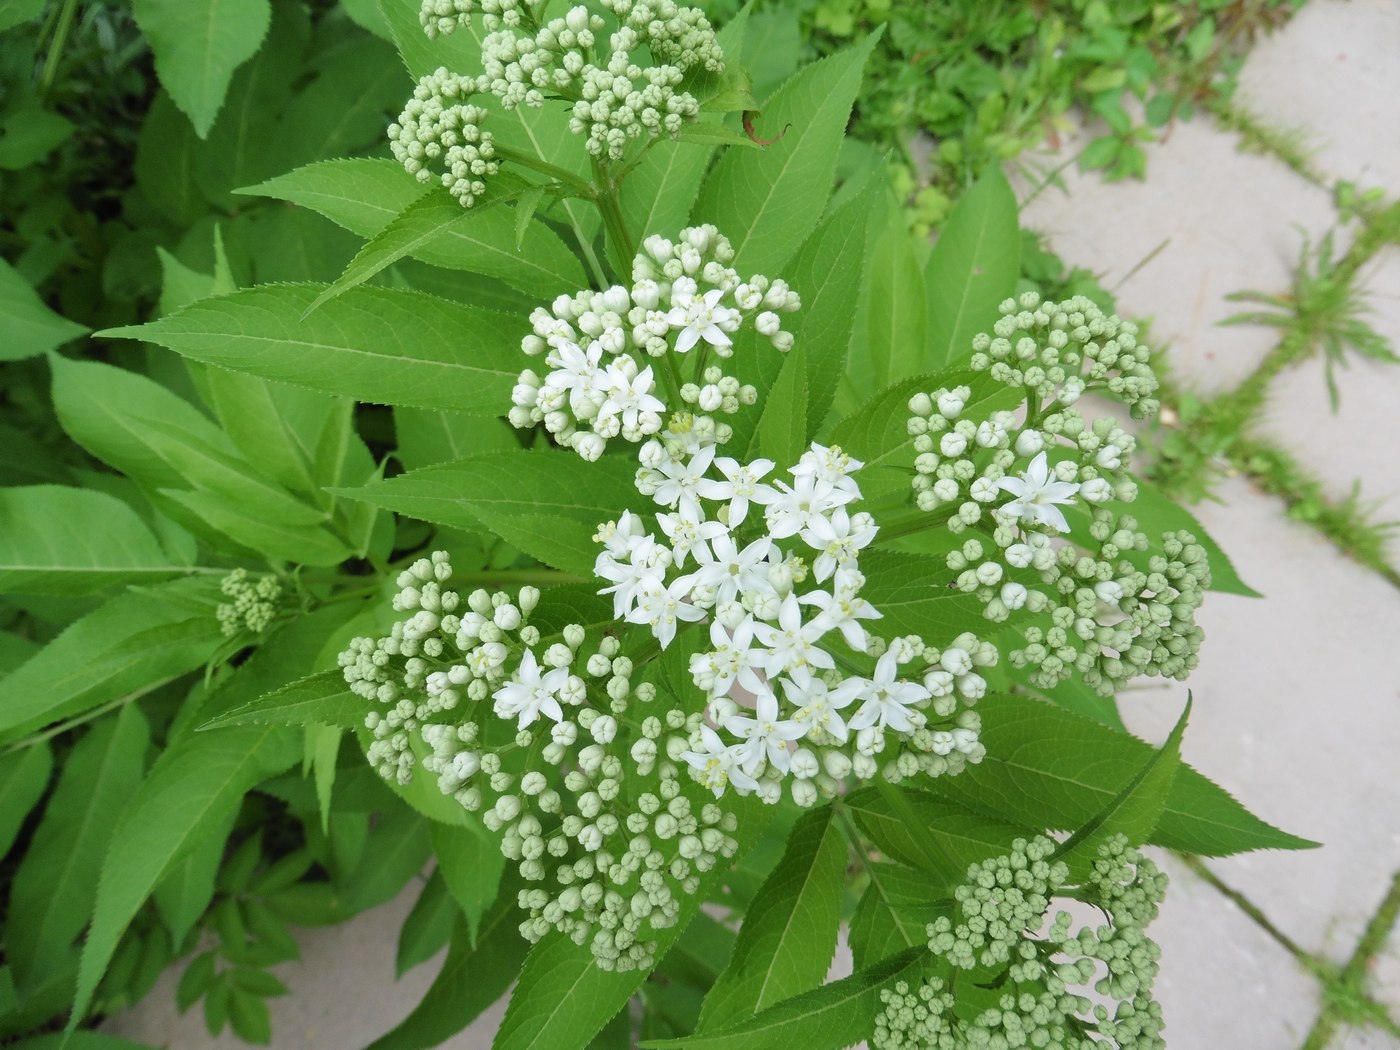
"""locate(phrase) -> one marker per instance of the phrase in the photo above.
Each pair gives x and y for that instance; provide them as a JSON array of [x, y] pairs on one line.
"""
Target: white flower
[[717, 765], [1037, 495], [830, 464], [734, 659], [794, 507], [838, 537], [842, 607], [739, 487], [660, 607], [575, 370], [792, 644], [819, 707], [528, 695], [765, 735], [700, 318], [728, 571], [680, 478], [888, 702], [629, 396], [687, 533]]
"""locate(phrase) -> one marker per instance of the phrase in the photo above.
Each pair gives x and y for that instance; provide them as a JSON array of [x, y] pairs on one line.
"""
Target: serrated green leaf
[[426, 930], [1047, 767], [362, 194], [896, 310], [343, 109], [322, 698], [475, 974], [544, 501], [831, 1017], [788, 937], [239, 148], [198, 44], [190, 791], [713, 133], [31, 328], [30, 134], [459, 51], [48, 544], [657, 195], [24, 777], [767, 201], [131, 643], [279, 540], [437, 229], [183, 895], [975, 264], [1135, 810], [933, 834], [912, 593], [52, 894], [827, 272], [470, 860], [380, 345], [167, 153], [782, 429], [427, 438]]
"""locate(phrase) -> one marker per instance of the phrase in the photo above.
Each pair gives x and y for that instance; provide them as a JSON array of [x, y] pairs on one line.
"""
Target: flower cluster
[[252, 603], [616, 97], [773, 567], [559, 747], [1061, 351], [684, 296], [1097, 598], [1000, 913]]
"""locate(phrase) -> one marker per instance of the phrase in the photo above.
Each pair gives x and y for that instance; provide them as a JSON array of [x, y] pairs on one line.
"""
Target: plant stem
[[611, 210], [60, 40], [585, 188]]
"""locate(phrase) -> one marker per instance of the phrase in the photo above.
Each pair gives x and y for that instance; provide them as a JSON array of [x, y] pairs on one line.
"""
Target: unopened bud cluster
[[1098, 599], [999, 930], [252, 603], [607, 832], [630, 88], [602, 347]]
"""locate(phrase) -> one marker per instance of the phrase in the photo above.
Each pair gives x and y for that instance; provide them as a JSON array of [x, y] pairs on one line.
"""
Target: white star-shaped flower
[[765, 735], [717, 765], [700, 317], [1037, 495], [820, 707], [889, 703], [792, 644], [740, 486], [530, 694], [661, 607], [679, 479]]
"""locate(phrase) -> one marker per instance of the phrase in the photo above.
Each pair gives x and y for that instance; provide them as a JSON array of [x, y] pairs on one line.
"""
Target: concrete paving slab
[[1357, 443], [1363, 1039], [343, 994], [1297, 713], [1332, 72], [1224, 982], [1224, 220]]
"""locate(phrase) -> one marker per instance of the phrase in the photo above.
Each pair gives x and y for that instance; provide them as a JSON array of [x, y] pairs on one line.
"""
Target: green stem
[[611, 210], [60, 40], [585, 188]]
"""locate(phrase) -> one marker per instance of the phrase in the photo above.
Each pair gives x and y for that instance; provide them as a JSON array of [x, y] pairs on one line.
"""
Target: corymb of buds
[[559, 747], [630, 88], [601, 347], [1096, 596], [252, 603], [999, 928]]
